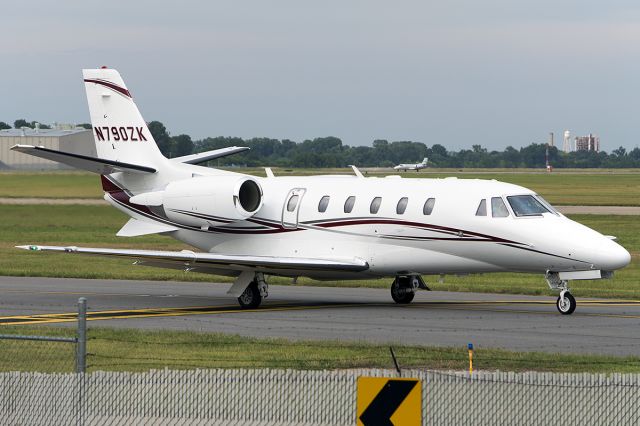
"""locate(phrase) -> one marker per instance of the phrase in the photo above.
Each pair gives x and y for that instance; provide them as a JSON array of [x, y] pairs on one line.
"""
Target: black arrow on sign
[[386, 402]]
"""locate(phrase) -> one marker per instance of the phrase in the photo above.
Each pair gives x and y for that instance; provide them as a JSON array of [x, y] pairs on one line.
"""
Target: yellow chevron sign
[[389, 401]]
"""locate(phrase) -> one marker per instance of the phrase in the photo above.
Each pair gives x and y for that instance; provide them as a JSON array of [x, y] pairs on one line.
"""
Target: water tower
[[566, 145]]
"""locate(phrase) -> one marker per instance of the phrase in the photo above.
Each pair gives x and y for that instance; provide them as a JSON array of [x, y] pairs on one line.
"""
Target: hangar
[[77, 140]]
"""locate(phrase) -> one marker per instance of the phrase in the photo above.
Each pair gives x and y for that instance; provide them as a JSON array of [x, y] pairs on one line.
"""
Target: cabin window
[[293, 202], [482, 208], [526, 205], [323, 204], [428, 206], [348, 205], [375, 205], [498, 208], [402, 205]]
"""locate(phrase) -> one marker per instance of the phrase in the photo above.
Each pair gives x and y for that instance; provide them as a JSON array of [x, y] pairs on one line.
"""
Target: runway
[[521, 323]]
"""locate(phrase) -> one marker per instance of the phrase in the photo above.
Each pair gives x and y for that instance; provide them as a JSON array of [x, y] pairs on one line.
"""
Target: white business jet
[[417, 167], [323, 227]]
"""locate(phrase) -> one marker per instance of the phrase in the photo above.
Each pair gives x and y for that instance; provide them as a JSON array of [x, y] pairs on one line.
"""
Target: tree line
[[331, 152]]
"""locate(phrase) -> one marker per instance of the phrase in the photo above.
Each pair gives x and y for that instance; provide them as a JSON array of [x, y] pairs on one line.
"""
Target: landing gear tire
[[567, 304], [250, 298], [401, 292]]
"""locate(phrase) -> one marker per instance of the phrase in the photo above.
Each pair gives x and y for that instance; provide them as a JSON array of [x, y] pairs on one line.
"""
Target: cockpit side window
[[498, 208], [482, 208], [526, 205]]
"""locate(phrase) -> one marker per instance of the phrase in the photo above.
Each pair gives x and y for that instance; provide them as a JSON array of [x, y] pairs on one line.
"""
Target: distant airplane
[[323, 227], [415, 167]]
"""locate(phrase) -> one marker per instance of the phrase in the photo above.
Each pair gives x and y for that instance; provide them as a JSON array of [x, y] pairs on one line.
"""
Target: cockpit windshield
[[547, 205], [527, 205]]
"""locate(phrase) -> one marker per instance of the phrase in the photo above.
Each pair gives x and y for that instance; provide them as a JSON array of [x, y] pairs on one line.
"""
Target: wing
[[96, 165], [212, 262]]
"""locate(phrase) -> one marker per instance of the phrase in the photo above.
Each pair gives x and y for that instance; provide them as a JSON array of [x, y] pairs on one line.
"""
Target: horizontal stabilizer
[[210, 155], [96, 165], [192, 261], [135, 228]]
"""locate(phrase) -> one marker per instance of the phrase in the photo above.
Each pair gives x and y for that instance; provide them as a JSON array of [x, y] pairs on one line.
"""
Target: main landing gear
[[404, 287], [253, 294], [566, 303]]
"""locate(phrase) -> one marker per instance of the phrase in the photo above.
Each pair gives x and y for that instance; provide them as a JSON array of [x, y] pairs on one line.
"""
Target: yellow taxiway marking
[[96, 293], [156, 312], [471, 305]]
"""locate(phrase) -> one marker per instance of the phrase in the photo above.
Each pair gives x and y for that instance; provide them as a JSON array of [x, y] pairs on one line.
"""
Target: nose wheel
[[566, 303]]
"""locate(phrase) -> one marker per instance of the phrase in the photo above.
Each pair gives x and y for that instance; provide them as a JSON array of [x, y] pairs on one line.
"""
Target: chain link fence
[[295, 397], [49, 354], [62, 393]]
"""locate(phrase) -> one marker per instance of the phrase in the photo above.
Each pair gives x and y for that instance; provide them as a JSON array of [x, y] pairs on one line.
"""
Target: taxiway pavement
[[521, 323]]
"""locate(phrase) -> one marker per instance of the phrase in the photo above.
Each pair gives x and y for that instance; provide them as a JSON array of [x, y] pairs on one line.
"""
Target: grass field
[[76, 225], [570, 187], [50, 185], [140, 350]]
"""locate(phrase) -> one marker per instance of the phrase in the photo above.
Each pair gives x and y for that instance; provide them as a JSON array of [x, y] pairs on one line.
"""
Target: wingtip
[[19, 147], [30, 248]]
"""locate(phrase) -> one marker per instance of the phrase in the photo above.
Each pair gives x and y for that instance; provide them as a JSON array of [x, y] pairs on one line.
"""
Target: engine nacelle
[[212, 200]]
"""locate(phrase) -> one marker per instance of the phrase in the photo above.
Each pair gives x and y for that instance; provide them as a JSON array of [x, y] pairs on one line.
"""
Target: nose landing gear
[[566, 303]]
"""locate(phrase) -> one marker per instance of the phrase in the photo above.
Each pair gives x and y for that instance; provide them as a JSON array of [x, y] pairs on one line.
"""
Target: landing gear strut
[[404, 287], [566, 303], [254, 293]]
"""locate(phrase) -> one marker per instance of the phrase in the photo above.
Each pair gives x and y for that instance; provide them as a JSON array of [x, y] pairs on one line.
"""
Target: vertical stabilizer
[[120, 132]]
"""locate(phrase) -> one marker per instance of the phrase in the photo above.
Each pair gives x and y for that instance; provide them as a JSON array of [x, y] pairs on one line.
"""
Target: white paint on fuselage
[[535, 244]]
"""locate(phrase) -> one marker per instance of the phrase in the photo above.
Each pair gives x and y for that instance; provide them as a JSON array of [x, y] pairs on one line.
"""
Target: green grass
[[589, 187], [67, 184], [571, 187], [140, 350], [76, 225]]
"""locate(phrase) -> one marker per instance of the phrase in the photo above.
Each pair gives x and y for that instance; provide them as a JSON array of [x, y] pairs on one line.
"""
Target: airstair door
[[291, 207]]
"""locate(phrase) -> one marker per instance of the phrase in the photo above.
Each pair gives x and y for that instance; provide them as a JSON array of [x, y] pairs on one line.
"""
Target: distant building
[[587, 143], [75, 140]]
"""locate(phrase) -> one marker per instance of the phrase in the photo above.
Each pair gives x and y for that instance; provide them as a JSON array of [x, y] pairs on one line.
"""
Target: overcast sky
[[456, 72]]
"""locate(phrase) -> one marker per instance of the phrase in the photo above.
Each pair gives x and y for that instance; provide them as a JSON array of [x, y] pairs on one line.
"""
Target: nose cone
[[612, 256]]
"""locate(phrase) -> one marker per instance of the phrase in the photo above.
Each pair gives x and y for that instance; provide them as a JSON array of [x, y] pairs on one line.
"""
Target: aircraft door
[[291, 207]]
